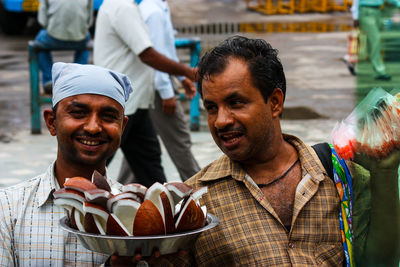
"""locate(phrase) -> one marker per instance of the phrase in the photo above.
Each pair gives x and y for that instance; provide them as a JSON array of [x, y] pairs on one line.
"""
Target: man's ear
[[124, 123], [276, 99], [50, 119]]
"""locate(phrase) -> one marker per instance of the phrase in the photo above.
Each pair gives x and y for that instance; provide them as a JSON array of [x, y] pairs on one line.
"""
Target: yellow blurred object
[[271, 7], [316, 27], [30, 5]]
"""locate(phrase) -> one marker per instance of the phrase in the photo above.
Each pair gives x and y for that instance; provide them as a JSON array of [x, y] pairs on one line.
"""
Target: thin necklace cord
[[280, 177]]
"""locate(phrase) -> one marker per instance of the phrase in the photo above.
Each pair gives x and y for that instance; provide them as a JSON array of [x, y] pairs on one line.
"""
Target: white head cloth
[[75, 79]]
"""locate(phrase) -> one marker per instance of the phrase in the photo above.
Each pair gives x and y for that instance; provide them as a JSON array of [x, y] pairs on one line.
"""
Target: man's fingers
[[156, 252], [169, 106], [121, 260], [190, 88]]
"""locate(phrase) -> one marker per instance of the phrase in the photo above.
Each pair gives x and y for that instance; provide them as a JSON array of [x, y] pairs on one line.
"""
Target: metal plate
[[127, 245]]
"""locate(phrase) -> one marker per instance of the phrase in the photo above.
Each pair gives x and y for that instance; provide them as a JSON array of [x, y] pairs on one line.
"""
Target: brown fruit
[[198, 193], [191, 217], [178, 190], [71, 219], [69, 193], [148, 220], [115, 226], [168, 216], [97, 196], [76, 219], [124, 195], [137, 189], [125, 210], [100, 217], [79, 184], [95, 209], [90, 225], [100, 181], [69, 203]]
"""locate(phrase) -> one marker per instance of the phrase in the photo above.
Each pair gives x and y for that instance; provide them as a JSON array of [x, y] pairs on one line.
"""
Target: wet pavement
[[320, 90]]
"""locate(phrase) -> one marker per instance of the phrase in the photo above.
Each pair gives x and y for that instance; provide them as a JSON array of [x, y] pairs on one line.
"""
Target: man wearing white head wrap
[[74, 79], [88, 120]]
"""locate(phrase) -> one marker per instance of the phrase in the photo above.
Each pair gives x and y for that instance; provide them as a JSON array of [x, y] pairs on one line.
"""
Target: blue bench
[[37, 99]]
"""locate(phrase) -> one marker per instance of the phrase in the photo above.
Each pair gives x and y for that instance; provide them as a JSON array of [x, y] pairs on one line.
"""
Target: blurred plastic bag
[[353, 46], [373, 128]]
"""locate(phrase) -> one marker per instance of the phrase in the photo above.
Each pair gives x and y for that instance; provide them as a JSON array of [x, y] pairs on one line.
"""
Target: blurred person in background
[[367, 14], [122, 43], [168, 114], [65, 25]]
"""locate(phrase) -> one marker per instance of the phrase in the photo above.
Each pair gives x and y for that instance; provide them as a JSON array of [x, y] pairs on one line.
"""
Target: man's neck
[[277, 158]]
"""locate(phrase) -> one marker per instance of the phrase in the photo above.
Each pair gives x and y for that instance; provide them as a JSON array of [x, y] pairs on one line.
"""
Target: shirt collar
[[224, 167], [48, 184], [309, 159]]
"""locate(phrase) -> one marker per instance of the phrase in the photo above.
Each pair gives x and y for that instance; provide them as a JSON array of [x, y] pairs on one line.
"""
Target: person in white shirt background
[[168, 115]]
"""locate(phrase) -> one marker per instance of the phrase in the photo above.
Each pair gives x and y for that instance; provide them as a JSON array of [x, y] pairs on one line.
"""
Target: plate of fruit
[[167, 216]]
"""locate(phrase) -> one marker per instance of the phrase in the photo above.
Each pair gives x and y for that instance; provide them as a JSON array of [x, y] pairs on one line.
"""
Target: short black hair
[[264, 65], [54, 110]]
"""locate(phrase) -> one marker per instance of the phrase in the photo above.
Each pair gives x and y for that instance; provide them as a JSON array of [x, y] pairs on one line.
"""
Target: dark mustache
[[230, 129], [89, 135]]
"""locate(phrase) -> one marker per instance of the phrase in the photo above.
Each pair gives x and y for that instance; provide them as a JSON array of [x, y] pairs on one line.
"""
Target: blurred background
[[315, 39]]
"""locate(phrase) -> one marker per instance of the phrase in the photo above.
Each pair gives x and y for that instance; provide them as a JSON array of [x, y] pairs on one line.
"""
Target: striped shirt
[[29, 227], [251, 234]]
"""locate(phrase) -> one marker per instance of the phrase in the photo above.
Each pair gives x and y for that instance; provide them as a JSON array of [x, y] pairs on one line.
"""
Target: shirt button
[[291, 245]]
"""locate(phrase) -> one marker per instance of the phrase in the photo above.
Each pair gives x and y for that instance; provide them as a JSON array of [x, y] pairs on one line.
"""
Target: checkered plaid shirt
[[29, 230], [251, 234]]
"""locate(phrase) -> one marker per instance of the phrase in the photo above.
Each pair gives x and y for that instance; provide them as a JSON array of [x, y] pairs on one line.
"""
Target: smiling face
[[88, 129], [242, 124]]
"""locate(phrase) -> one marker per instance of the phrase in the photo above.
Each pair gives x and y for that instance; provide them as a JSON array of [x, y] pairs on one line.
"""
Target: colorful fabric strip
[[343, 182]]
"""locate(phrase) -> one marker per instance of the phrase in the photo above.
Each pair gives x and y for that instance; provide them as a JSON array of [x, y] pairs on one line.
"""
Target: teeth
[[89, 143], [232, 140]]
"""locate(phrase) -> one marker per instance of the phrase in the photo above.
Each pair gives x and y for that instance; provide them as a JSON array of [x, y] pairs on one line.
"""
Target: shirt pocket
[[329, 254]]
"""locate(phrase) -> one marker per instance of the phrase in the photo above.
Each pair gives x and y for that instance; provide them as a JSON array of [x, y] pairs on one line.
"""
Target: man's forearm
[[162, 63]]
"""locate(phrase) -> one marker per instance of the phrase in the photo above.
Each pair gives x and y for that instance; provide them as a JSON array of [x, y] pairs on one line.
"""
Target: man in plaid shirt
[[276, 203]]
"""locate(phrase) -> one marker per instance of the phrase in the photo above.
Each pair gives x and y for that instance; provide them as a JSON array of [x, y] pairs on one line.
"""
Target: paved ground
[[28, 155], [320, 89]]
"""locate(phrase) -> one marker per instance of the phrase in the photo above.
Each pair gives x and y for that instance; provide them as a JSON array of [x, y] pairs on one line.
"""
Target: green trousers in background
[[370, 24]]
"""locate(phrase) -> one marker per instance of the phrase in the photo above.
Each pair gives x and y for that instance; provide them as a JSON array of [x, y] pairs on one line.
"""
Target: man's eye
[[210, 108], [110, 116], [236, 102], [77, 112]]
